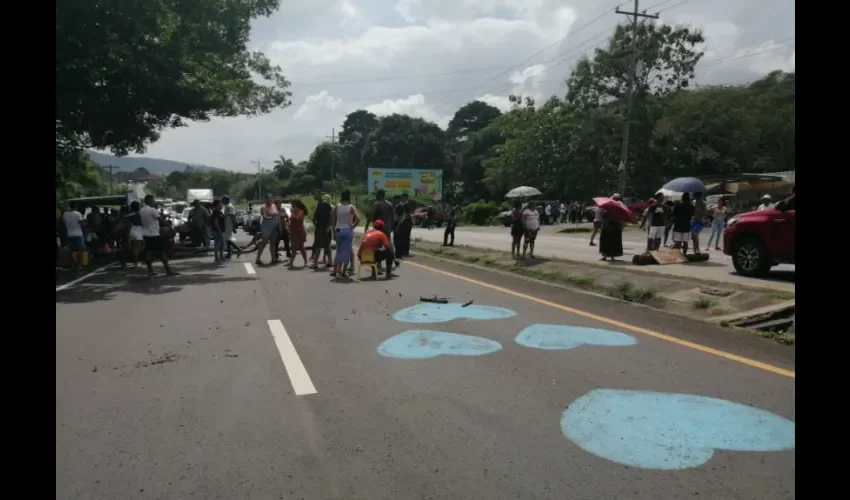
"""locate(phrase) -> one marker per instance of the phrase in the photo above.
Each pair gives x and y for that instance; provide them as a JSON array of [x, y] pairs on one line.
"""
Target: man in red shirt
[[378, 242]]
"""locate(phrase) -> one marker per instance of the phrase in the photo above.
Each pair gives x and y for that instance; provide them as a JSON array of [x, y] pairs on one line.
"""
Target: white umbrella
[[522, 192]]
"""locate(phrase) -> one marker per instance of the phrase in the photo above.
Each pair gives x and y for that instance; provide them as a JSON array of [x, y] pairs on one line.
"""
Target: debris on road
[[467, 303], [434, 299], [165, 358]]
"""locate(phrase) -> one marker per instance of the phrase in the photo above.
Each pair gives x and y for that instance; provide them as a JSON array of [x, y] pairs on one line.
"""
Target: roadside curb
[[646, 272], [709, 321]]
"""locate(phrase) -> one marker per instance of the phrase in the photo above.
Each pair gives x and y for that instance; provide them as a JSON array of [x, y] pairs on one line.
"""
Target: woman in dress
[[269, 226], [611, 235], [297, 232], [517, 229]]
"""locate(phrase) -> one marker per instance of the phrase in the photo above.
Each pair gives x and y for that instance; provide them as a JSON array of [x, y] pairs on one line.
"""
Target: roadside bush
[[480, 213]]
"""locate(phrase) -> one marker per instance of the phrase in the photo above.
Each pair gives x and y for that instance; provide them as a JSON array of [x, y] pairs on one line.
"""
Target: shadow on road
[[106, 285]]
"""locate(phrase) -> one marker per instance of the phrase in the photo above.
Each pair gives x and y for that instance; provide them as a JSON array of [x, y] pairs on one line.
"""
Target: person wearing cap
[[229, 212], [377, 241], [766, 203]]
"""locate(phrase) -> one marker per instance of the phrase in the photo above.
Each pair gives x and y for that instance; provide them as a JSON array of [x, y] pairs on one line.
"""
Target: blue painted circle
[[422, 344], [657, 430], [562, 337], [427, 312]]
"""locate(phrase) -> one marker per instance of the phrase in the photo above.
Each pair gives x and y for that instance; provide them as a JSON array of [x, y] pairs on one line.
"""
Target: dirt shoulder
[[701, 300]]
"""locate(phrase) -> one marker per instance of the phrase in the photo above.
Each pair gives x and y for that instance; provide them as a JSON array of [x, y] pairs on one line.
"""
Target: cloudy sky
[[428, 57]]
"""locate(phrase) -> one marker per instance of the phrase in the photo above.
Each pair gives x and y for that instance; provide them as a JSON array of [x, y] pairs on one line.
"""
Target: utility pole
[[624, 151], [109, 186], [332, 137], [259, 164]]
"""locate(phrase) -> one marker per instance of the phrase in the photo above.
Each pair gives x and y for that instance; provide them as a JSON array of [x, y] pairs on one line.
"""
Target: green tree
[[471, 118], [127, 69], [355, 131], [283, 167], [401, 141]]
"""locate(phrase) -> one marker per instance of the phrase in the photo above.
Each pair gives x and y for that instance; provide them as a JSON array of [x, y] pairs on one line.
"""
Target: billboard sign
[[418, 184]]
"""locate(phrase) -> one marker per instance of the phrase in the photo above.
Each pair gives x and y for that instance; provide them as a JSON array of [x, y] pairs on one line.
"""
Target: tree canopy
[[126, 69], [568, 147]]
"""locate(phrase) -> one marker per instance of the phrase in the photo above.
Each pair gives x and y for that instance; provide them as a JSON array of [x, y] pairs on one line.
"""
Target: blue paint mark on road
[[427, 312], [561, 337], [423, 344], [656, 430]]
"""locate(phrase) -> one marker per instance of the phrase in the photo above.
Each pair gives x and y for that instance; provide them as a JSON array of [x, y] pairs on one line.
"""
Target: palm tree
[[283, 167]]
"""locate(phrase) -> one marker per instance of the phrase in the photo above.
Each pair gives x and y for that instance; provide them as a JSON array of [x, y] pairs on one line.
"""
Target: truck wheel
[[750, 257]]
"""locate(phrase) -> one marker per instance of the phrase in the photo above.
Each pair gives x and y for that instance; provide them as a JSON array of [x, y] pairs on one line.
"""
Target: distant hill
[[155, 166]]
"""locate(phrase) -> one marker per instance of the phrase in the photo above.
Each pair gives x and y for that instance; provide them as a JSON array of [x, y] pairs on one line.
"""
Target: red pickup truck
[[759, 240]]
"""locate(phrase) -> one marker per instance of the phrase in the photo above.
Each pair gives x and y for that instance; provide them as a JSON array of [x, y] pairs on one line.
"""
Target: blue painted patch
[[427, 312], [423, 344], [561, 337], [656, 430]]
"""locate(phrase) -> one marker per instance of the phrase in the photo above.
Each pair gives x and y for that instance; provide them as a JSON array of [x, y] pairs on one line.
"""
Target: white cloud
[[413, 105], [316, 104], [429, 57]]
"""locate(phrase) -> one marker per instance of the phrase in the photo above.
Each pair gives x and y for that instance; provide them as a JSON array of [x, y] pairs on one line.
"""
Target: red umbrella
[[615, 209]]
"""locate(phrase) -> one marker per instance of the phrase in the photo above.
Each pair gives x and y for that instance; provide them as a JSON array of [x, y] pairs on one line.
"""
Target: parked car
[[241, 216], [421, 213], [757, 241], [636, 205]]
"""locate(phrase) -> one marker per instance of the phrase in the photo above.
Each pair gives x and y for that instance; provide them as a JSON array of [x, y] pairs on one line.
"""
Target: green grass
[[627, 291], [704, 303]]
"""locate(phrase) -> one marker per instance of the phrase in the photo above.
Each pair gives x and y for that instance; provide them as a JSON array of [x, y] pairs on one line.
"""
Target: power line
[[544, 49]]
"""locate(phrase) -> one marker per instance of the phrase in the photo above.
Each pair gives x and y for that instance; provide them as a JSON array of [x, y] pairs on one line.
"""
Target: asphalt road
[[551, 244], [235, 382]]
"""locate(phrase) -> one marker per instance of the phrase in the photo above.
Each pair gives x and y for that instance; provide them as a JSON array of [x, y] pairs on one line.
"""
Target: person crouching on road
[[377, 241]]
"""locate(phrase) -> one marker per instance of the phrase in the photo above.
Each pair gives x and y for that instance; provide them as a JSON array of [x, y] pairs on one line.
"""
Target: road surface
[[550, 244], [240, 382]]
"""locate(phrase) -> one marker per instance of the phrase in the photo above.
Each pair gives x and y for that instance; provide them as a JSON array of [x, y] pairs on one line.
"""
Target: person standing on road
[[269, 223], [322, 230], [766, 203], [155, 244], [344, 221], [229, 212], [531, 225], [698, 220], [137, 234], [657, 215], [382, 211], [451, 223], [283, 233], [669, 221], [73, 222], [199, 218], [563, 212], [297, 232], [405, 226], [597, 223], [718, 223], [217, 226], [517, 230], [682, 215]]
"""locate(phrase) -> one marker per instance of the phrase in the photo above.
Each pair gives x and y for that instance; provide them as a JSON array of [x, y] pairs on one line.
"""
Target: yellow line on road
[[619, 324]]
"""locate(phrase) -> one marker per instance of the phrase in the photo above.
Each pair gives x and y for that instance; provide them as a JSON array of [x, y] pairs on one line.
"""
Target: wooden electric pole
[[624, 151], [259, 164], [109, 186], [332, 137]]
